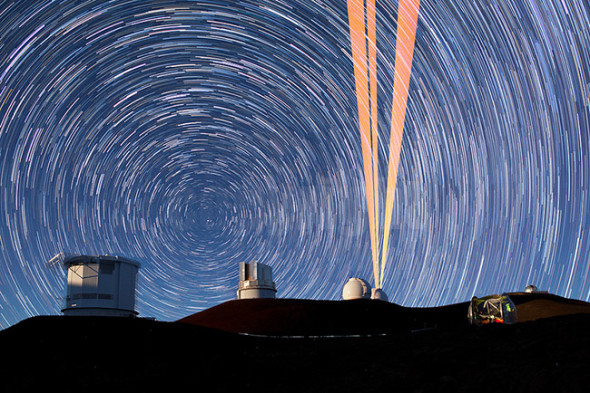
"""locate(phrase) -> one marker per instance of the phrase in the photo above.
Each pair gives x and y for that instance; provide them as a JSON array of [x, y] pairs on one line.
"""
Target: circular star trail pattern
[[195, 135]]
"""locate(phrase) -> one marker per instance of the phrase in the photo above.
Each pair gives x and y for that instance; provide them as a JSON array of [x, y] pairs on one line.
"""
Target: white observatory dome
[[356, 288], [378, 294], [531, 288]]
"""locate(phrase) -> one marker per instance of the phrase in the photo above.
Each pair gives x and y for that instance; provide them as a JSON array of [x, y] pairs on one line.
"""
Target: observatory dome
[[531, 288], [356, 288], [378, 294]]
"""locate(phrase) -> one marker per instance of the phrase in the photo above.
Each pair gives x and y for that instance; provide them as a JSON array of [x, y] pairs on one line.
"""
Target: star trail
[[191, 136]]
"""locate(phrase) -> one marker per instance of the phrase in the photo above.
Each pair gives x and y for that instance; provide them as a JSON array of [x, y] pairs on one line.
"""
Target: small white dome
[[378, 294], [356, 288], [531, 288]]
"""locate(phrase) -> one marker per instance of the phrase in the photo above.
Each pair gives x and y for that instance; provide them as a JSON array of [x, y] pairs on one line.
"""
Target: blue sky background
[[195, 135]]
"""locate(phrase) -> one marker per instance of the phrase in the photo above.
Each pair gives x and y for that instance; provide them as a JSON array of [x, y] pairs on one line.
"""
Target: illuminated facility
[[357, 288], [100, 285], [256, 281]]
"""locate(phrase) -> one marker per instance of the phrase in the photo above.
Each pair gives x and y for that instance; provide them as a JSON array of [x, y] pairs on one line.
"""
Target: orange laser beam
[[406, 37], [372, 50], [356, 20]]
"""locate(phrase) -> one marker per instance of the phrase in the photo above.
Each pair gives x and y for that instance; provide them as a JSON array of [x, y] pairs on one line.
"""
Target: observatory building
[[100, 285], [256, 281], [533, 289], [357, 288], [378, 294]]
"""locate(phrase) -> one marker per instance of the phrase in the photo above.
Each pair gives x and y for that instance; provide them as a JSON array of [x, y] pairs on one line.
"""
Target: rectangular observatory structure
[[100, 285], [256, 281]]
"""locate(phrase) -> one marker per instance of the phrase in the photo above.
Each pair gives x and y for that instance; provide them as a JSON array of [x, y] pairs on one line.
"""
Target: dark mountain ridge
[[393, 349]]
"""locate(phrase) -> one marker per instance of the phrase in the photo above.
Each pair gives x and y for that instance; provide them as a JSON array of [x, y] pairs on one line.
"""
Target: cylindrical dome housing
[[356, 288], [100, 285], [256, 281]]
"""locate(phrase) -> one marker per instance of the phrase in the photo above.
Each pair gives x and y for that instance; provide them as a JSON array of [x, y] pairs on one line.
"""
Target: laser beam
[[404, 52], [362, 21]]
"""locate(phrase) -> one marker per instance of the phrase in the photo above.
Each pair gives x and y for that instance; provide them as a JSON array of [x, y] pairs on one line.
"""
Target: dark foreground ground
[[398, 350]]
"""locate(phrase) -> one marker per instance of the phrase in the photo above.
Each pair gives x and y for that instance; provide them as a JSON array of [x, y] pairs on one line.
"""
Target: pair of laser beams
[[363, 38]]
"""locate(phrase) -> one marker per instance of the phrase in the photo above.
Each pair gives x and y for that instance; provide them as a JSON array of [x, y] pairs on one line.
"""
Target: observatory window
[[104, 296], [84, 296], [107, 267]]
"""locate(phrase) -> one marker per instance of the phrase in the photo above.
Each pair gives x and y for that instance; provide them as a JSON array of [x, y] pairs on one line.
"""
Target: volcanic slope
[[539, 305], [404, 350], [292, 317]]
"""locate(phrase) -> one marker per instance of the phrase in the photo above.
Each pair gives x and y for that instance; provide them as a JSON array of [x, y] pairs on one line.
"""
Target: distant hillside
[[323, 317], [534, 306], [421, 350], [316, 318]]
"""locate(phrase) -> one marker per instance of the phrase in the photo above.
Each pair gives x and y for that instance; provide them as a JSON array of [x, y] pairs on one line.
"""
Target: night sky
[[191, 136]]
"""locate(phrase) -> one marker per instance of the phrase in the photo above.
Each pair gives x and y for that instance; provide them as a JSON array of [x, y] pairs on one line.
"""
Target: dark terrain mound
[[426, 350], [361, 317], [290, 317], [533, 306]]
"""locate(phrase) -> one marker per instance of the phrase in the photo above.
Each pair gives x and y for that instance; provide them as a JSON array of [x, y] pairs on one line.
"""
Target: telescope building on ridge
[[100, 285], [357, 288], [256, 281]]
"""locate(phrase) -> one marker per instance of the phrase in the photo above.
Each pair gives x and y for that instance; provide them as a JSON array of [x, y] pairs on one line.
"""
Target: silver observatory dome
[[356, 288], [378, 294]]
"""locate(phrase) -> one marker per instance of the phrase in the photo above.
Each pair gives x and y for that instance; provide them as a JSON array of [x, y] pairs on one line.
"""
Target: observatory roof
[[75, 259], [356, 288]]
